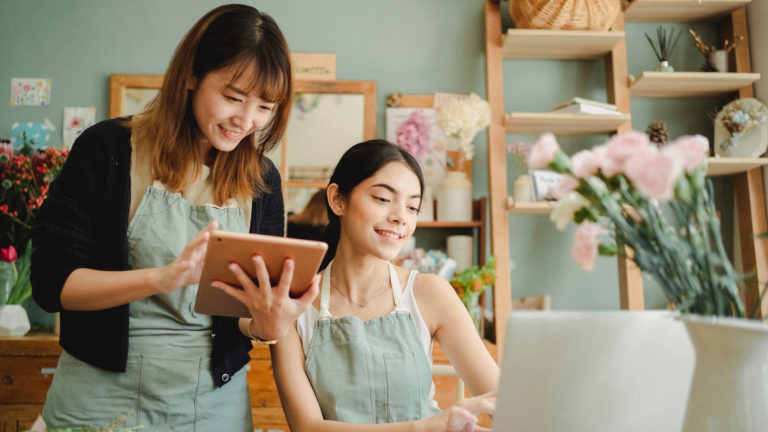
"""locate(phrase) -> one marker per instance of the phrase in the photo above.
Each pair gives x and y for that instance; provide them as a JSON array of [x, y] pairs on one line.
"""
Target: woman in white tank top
[[360, 359]]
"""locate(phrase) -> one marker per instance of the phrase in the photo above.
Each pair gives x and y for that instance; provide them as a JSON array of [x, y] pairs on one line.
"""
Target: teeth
[[230, 133], [390, 235]]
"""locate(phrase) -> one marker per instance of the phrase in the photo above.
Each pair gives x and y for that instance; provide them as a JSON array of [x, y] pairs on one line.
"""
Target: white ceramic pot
[[13, 321], [719, 59], [454, 198], [522, 189], [729, 391], [427, 211]]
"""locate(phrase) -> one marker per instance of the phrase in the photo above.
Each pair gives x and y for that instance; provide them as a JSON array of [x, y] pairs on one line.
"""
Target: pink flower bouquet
[[661, 205]]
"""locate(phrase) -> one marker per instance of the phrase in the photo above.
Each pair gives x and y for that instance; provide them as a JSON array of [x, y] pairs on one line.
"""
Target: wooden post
[[617, 87], [497, 164]]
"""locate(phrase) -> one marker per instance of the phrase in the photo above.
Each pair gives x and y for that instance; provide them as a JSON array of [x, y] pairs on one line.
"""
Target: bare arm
[[450, 323], [87, 289]]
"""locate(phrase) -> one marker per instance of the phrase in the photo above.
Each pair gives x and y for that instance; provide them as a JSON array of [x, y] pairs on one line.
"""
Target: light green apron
[[168, 381], [369, 372]]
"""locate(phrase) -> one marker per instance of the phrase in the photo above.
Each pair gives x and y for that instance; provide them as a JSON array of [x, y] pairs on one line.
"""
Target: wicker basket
[[564, 14]]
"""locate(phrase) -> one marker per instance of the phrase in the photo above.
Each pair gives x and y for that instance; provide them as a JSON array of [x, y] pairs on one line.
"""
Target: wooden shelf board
[[306, 184], [559, 44], [443, 224], [564, 123], [730, 166], [681, 10], [689, 84], [530, 208]]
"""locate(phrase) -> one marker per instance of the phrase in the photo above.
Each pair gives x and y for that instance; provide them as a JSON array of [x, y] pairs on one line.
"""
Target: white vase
[[718, 59], [427, 210], [729, 390], [454, 198], [13, 321], [522, 189]]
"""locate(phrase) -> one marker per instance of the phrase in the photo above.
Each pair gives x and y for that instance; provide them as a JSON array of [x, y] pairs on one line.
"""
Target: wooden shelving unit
[[555, 44], [689, 84], [611, 47], [681, 10], [564, 123], [731, 166]]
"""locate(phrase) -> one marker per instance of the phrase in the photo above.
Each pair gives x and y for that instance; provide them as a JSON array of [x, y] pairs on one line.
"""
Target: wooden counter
[[27, 365]]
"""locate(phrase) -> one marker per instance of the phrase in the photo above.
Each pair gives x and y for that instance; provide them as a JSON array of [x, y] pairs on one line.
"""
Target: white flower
[[464, 118], [565, 208]]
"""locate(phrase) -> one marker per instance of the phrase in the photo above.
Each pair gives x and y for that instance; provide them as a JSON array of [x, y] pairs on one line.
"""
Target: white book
[[578, 100], [580, 108]]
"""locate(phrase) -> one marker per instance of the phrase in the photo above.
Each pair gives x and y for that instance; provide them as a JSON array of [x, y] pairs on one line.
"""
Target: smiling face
[[379, 216], [225, 112]]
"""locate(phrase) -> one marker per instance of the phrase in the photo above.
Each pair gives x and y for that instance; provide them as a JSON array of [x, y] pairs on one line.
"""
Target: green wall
[[408, 46]]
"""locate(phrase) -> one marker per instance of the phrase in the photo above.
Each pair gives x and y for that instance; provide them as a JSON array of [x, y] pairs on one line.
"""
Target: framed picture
[[542, 181]]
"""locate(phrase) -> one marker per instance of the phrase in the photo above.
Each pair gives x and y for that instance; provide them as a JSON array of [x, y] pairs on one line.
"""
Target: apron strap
[[325, 294]]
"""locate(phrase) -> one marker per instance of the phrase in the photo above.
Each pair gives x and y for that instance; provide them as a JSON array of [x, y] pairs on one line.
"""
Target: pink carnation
[[586, 163], [585, 244], [543, 152], [620, 149], [566, 185], [413, 134], [655, 173], [691, 150]]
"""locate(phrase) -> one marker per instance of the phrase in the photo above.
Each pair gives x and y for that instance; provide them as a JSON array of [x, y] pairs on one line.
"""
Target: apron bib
[[369, 372], [168, 383]]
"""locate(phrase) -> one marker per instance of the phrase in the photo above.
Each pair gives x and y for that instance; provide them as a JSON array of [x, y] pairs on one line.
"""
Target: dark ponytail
[[358, 163]]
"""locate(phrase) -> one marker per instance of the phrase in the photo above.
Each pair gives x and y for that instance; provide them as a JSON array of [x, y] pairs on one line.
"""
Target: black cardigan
[[83, 224]]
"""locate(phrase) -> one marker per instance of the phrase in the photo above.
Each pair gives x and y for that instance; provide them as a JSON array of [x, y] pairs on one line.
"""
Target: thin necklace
[[364, 304]]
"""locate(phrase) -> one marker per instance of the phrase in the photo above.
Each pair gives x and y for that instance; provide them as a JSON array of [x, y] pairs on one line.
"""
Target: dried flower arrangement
[[463, 118], [707, 50], [741, 116]]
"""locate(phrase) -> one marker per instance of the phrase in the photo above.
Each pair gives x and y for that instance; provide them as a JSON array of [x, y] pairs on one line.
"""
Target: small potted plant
[[469, 284], [664, 47]]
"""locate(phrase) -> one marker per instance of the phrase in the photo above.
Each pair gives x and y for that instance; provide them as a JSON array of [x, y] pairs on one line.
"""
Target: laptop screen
[[594, 371]]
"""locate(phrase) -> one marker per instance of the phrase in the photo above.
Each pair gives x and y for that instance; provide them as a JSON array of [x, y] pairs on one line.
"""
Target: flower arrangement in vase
[[464, 117], [470, 284], [25, 176], [715, 59], [659, 203], [522, 185]]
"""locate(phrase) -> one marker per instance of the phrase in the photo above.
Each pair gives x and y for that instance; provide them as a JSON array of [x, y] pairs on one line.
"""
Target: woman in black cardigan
[[119, 243]]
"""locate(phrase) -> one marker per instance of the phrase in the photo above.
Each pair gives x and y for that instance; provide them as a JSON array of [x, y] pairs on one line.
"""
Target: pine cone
[[708, 67], [657, 133]]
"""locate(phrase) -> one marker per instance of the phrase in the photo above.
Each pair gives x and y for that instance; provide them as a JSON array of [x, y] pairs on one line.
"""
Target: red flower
[[8, 254]]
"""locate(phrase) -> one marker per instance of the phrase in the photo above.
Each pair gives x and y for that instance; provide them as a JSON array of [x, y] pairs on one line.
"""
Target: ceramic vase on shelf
[[522, 189], [664, 66], [454, 198], [13, 321], [729, 389], [719, 60], [427, 210]]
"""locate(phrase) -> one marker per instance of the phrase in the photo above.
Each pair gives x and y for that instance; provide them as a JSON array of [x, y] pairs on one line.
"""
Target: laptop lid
[[594, 371]]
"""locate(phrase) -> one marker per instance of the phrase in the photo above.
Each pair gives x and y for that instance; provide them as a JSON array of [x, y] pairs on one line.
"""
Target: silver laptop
[[594, 371]]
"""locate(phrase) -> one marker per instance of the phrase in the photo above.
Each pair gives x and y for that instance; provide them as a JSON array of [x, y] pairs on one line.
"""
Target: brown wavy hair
[[248, 42]]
